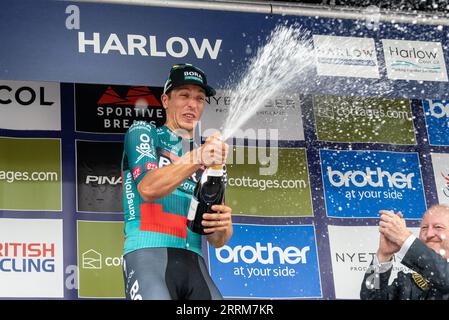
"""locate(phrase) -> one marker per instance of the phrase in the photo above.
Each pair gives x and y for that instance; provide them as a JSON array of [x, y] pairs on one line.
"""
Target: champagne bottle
[[210, 190]]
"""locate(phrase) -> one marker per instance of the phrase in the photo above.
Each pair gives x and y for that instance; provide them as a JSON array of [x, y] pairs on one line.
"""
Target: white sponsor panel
[[281, 113], [414, 60], [440, 163], [352, 249], [26, 105], [346, 56], [31, 258]]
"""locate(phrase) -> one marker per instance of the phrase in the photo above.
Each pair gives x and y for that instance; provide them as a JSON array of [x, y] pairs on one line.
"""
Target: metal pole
[[287, 8]]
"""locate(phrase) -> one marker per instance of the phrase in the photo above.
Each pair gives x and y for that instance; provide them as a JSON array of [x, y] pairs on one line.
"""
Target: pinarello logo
[[136, 96], [137, 171], [150, 166]]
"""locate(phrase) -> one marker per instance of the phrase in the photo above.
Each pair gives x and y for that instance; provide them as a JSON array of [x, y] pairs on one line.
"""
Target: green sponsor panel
[[100, 250], [30, 174], [364, 119], [283, 192]]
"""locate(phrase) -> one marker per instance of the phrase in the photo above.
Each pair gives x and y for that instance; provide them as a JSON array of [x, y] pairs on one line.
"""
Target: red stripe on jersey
[[152, 218]]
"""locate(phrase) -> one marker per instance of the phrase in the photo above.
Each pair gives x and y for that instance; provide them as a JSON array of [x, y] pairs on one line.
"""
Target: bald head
[[438, 209], [434, 230]]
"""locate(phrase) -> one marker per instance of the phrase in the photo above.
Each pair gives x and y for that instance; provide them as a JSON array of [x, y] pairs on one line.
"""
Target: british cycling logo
[[24, 257]]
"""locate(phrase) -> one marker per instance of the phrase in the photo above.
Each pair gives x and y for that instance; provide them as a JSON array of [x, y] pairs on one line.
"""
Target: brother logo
[[374, 178], [262, 254], [438, 109]]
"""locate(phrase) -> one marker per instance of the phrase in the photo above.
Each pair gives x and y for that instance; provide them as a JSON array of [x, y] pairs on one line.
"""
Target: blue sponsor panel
[[360, 183], [437, 121], [267, 262]]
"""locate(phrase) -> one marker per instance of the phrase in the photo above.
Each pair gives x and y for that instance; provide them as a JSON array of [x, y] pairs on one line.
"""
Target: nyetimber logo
[[267, 254], [374, 178], [135, 44]]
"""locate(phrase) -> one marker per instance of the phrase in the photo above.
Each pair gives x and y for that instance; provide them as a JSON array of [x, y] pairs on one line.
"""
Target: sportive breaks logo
[[437, 121], [100, 248], [29, 105], [414, 60], [360, 183], [98, 176], [440, 164], [363, 119], [113, 109], [31, 258], [267, 262], [30, 176], [346, 56], [285, 193]]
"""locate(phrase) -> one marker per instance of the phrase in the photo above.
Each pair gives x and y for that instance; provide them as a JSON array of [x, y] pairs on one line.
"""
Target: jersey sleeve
[[140, 149]]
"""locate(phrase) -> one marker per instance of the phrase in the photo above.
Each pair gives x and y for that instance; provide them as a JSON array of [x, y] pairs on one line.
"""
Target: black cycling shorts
[[167, 274]]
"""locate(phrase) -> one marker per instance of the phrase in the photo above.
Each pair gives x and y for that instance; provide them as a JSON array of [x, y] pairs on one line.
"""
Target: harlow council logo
[[360, 183], [113, 109], [91, 259], [414, 60]]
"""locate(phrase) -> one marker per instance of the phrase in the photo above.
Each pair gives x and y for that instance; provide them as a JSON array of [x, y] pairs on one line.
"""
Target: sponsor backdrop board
[[100, 250], [277, 112], [440, 162], [26, 105], [352, 251], [360, 183], [31, 259], [268, 262], [358, 119], [367, 130], [278, 187], [30, 174], [98, 176], [437, 119]]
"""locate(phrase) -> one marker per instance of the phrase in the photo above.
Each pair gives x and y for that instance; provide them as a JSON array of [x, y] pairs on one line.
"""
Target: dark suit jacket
[[420, 259]]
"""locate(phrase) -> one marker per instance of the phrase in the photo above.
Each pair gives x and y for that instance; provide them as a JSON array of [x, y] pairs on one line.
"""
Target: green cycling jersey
[[162, 222]]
